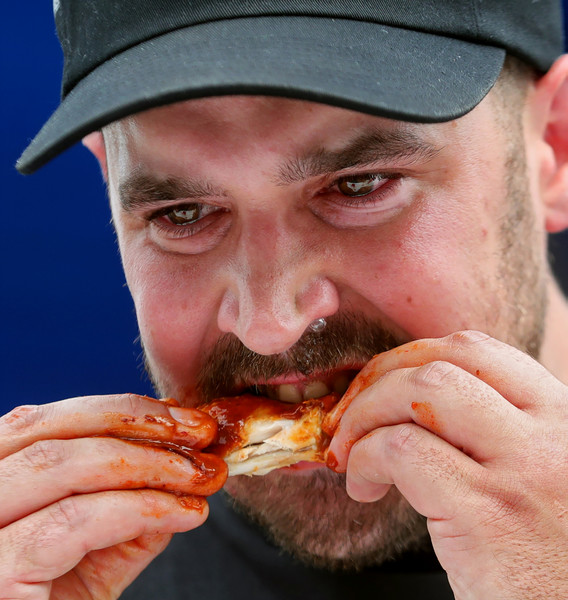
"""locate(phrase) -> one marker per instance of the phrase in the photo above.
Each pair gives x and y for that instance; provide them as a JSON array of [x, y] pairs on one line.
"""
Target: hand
[[474, 434], [82, 512]]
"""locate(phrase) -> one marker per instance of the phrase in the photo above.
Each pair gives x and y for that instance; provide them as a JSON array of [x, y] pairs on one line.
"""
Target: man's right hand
[[90, 494]]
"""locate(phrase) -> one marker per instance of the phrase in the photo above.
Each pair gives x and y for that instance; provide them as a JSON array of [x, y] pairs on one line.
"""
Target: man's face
[[241, 220]]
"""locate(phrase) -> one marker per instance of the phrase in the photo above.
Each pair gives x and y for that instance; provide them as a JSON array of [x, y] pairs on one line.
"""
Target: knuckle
[[63, 515], [402, 440], [45, 454], [26, 546], [466, 338], [44, 535], [434, 374], [133, 403], [154, 503], [47, 530], [22, 417], [505, 502], [16, 548]]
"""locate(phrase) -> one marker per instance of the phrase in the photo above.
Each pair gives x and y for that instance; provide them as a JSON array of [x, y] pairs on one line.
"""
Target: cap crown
[[92, 31]]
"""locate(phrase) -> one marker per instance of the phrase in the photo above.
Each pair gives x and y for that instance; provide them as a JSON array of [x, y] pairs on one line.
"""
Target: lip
[[293, 388], [302, 467], [258, 386], [299, 469], [302, 380]]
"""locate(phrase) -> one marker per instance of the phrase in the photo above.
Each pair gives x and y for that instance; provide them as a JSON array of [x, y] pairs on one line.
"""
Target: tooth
[[272, 393], [288, 392], [341, 383], [315, 389]]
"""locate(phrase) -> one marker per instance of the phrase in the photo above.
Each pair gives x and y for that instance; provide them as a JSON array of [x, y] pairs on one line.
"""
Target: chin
[[307, 512]]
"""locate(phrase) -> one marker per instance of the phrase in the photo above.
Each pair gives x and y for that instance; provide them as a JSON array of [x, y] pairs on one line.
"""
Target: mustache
[[349, 340]]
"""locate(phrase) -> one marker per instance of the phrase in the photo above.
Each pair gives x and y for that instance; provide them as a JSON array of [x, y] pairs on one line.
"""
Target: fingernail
[[169, 401], [331, 462], [189, 416]]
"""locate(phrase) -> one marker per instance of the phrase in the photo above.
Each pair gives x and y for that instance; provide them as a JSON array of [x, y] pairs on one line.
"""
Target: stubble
[[310, 514]]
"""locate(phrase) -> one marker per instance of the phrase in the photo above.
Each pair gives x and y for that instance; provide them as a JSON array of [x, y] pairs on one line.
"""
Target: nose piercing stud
[[318, 325]]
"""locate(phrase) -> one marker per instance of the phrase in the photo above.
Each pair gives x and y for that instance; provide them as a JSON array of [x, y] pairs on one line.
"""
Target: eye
[[189, 220], [361, 199], [184, 215], [359, 185]]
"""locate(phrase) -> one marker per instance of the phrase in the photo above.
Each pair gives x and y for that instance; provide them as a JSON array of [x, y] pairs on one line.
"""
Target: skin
[[425, 261]]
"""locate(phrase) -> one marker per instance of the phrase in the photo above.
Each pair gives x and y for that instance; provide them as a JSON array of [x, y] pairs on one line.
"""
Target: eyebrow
[[141, 189], [365, 149]]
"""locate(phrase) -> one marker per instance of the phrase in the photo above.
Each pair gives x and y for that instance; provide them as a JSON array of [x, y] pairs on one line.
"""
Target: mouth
[[293, 390], [278, 422]]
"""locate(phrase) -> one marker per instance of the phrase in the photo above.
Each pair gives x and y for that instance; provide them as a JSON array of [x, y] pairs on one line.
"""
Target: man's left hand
[[474, 434]]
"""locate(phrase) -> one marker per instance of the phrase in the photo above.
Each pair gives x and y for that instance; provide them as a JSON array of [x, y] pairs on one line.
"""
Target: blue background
[[68, 324]]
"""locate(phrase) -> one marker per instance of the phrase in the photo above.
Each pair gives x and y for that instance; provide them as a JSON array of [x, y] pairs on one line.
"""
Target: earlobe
[[556, 201], [96, 144], [552, 101]]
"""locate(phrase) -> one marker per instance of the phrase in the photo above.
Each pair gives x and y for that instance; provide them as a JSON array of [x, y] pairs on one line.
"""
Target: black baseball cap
[[414, 60]]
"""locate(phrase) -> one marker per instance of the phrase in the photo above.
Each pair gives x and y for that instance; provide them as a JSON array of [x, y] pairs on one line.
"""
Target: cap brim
[[385, 71]]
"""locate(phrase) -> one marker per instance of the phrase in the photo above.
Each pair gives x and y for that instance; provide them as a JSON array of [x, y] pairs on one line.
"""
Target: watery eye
[[185, 215], [359, 185]]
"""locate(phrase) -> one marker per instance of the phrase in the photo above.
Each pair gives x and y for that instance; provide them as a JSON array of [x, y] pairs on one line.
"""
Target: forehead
[[240, 126], [217, 119], [248, 115]]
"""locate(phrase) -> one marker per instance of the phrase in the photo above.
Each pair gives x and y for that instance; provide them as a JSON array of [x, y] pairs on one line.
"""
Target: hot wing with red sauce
[[257, 435]]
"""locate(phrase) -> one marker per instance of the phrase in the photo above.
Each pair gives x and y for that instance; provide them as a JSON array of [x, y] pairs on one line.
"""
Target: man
[[294, 189]]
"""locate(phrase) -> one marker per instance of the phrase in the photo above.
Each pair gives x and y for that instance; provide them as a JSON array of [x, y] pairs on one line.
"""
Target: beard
[[309, 514], [523, 271]]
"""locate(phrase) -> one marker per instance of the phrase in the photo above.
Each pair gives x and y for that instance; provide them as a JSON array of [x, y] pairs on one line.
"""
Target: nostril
[[269, 319], [318, 298]]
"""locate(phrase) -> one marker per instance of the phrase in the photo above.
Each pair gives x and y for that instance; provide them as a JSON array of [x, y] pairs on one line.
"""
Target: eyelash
[[180, 231], [389, 180], [369, 199]]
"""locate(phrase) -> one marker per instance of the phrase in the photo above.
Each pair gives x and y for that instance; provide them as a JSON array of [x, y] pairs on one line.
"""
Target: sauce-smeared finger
[[126, 415], [473, 351], [50, 470], [49, 543]]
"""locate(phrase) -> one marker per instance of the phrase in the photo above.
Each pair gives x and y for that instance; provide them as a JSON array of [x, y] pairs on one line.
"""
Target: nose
[[276, 287]]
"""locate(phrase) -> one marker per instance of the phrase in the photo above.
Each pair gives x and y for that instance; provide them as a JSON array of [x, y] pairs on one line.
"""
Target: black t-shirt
[[227, 558]]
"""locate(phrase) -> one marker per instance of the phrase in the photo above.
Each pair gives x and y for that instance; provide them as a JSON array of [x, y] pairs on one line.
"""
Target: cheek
[[433, 273], [175, 307]]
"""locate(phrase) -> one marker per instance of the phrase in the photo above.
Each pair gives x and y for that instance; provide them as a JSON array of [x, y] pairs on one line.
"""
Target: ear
[[551, 102], [96, 144]]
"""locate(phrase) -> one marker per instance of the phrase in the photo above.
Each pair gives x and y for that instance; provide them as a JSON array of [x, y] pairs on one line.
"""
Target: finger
[[127, 416], [49, 543], [515, 375], [50, 470], [430, 473], [441, 398], [121, 564]]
